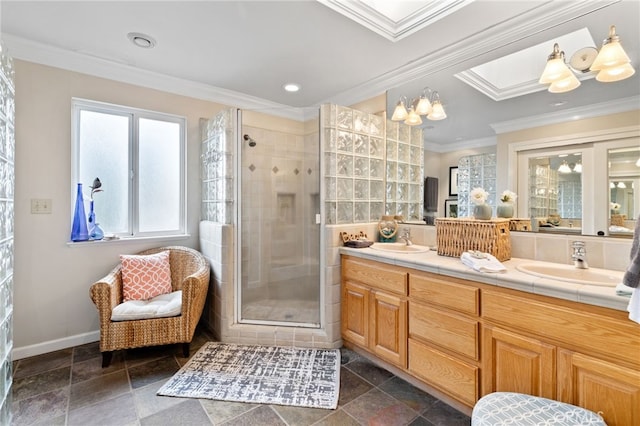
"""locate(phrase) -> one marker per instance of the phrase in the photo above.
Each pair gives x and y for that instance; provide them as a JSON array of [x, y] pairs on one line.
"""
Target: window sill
[[121, 240]]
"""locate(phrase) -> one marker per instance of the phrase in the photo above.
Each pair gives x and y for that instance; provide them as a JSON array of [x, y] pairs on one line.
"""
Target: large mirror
[[624, 181], [489, 89], [555, 192]]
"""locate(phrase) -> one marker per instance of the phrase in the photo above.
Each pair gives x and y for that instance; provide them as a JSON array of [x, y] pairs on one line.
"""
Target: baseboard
[[55, 345]]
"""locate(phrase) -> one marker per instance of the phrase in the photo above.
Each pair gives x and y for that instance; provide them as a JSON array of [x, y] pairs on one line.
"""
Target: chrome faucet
[[579, 255], [406, 236]]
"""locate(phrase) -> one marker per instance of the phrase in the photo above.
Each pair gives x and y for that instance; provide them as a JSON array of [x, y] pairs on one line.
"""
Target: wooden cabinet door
[[600, 386], [514, 363], [355, 313], [388, 328]]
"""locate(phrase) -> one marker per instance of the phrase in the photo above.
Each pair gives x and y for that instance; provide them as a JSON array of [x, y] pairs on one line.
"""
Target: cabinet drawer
[[450, 331], [447, 292], [451, 376], [588, 330], [374, 274]]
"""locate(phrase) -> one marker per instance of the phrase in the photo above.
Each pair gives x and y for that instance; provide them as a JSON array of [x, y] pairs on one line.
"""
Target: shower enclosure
[[279, 222]]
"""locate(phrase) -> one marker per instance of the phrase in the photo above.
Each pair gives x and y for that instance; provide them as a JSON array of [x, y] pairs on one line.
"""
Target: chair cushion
[[510, 408], [145, 276], [162, 306]]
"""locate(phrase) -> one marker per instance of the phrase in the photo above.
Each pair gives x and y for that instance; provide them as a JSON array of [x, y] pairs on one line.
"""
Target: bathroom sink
[[572, 274], [399, 248]]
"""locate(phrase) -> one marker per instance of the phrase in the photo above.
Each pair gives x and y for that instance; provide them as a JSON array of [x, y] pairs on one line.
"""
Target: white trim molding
[[580, 113], [55, 345], [28, 50]]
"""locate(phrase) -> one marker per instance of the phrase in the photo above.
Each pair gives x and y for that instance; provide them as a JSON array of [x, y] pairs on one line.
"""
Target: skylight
[[517, 74]]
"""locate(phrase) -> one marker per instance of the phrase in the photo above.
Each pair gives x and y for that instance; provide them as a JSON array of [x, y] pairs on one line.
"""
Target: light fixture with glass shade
[[400, 112], [564, 168], [556, 69], [413, 119], [428, 104], [578, 167], [612, 61], [621, 185]]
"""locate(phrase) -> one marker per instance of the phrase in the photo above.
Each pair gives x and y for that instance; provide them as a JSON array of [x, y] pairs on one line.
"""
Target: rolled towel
[[482, 262]]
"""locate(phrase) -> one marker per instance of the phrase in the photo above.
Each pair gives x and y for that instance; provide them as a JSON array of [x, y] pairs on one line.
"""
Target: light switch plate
[[41, 205]]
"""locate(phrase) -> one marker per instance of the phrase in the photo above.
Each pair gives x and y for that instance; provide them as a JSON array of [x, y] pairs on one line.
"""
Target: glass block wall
[[570, 196], [476, 171], [216, 166], [543, 191], [405, 168], [7, 180], [369, 169]]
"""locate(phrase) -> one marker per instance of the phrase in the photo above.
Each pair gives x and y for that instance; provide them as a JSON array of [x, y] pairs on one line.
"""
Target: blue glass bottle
[[79, 231], [95, 231]]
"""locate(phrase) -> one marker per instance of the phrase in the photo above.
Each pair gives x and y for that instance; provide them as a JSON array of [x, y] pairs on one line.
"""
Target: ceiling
[[241, 53]]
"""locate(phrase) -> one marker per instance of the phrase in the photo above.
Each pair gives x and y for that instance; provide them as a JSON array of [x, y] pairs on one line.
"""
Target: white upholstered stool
[[517, 409]]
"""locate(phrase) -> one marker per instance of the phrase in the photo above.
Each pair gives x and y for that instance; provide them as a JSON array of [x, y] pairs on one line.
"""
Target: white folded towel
[[482, 262], [634, 306], [623, 290]]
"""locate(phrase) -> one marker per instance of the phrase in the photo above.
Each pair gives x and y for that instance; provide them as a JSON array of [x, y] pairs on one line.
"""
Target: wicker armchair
[[189, 273]]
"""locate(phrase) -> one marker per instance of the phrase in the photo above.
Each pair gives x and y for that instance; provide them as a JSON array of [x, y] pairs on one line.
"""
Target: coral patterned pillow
[[145, 276]]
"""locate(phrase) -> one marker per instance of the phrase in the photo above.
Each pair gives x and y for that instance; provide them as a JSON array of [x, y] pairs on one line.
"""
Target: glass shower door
[[279, 226]]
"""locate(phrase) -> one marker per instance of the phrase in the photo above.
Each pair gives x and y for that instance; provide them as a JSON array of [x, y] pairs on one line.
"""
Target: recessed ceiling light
[[291, 87], [560, 103], [142, 40]]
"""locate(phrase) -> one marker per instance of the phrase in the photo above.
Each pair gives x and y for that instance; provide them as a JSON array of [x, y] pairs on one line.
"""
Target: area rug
[[301, 377]]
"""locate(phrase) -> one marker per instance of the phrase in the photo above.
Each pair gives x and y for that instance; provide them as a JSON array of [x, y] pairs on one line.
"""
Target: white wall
[[52, 308]]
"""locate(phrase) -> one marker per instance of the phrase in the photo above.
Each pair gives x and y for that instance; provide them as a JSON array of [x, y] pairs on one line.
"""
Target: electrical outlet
[[41, 205]]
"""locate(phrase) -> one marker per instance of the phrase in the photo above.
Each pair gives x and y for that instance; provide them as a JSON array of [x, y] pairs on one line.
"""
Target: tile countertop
[[514, 279]]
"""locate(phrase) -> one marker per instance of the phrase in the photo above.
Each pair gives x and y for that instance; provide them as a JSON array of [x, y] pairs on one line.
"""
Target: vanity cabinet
[[580, 354], [465, 339], [517, 363], [374, 308], [444, 334]]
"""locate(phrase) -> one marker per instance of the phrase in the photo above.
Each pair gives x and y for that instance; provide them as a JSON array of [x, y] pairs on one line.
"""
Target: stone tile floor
[[69, 387]]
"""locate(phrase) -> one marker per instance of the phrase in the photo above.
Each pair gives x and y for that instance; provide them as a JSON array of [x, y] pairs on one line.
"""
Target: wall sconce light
[[578, 167], [621, 185], [612, 61], [427, 104], [564, 168], [612, 64]]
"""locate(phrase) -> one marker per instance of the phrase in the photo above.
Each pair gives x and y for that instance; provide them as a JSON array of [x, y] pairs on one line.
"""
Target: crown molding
[[379, 23], [462, 145], [543, 17], [570, 114], [27, 50]]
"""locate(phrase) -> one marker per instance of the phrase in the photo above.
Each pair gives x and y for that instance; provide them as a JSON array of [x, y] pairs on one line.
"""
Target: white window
[[139, 157]]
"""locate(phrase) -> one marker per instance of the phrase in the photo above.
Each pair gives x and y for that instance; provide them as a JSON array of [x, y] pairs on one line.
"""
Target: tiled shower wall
[[280, 198], [7, 180]]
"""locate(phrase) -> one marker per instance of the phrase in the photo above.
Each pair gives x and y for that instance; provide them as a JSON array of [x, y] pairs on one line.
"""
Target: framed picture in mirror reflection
[[451, 208], [453, 181]]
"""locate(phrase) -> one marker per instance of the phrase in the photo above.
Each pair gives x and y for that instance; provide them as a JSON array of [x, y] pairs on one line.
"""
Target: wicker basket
[[455, 236], [519, 224], [618, 219]]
